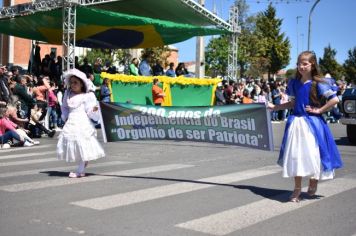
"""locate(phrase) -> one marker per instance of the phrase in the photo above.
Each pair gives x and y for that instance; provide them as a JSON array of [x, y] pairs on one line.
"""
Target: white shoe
[[35, 142], [28, 144], [6, 146]]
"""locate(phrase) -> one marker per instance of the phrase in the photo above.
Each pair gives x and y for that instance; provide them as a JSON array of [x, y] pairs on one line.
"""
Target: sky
[[332, 22]]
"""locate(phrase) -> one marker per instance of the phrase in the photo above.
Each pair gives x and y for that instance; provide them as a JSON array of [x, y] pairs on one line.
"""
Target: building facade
[[17, 51]]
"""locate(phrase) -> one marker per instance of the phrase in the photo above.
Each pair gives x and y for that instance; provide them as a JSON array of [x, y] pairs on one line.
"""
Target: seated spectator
[[133, 68], [170, 72], [35, 126], [7, 130], [98, 65], [246, 97], [181, 70], [157, 68], [25, 99], [86, 67], [219, 95], [144, 67], [25, 139], [105, 92], [12, 115]]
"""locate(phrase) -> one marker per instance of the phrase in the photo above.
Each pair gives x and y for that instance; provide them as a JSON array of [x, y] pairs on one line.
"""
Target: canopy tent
[[98, 28], [177, 11]]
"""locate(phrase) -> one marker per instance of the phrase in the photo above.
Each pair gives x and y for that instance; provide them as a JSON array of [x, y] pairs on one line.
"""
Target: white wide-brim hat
[[77, 73]]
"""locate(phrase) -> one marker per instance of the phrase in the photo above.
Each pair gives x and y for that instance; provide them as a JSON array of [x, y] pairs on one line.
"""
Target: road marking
[[26, 148], [37, 171], [27, 162], [26, 155], [238, 218], [97, 177], [123, 199]]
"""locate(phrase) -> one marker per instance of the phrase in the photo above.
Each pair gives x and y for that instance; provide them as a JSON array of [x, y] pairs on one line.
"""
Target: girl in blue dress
[[308, 148]]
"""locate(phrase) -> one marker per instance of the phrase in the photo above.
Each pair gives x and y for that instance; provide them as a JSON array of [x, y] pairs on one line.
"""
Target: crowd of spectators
[[30, 103], [262, 91]]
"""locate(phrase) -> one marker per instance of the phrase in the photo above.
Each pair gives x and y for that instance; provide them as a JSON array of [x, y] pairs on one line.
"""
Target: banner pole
[[102, 126], [269, 125]]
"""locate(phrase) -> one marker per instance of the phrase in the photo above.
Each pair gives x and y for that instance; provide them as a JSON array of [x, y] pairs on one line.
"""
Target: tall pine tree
[[350, 66], [274, 46], [328, 63]]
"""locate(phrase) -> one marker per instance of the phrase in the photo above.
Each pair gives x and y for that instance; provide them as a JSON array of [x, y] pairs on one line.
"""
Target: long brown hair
[[315, 73]]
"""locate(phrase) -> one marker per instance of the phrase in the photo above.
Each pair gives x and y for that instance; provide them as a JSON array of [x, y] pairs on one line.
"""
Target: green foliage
[[216, 56], [350, 66], [291, 73], [157, 54], [107, 55], [328, 63], [273, 46]]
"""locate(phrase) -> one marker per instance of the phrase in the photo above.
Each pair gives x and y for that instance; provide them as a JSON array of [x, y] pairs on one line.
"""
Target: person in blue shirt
[[308, 148], [144, 68], [105, 92], [171, 72]]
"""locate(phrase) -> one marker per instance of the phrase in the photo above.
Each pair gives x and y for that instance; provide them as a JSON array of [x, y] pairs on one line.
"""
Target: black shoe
[[51, 133]]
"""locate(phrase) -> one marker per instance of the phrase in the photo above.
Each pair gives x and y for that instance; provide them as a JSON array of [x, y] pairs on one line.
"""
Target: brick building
[[16, 51]]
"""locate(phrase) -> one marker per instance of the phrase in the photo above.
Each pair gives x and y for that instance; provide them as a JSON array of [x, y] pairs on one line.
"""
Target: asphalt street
[[171, 188]]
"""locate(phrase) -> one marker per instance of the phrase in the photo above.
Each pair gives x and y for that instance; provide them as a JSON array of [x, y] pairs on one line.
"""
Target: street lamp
[[311, 11], [298, 35]]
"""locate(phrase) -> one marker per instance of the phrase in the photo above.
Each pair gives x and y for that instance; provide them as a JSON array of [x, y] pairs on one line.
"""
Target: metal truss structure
[[208, 14], [69, 23], [69, 26], [28, 8], [233, 46]]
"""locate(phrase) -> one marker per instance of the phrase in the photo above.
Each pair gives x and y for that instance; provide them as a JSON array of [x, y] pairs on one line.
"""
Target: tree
[[107, 55], [350, 66], [328, 63], [291, 73], [247, 40], [157, 53], [274, 47], [216, 56]]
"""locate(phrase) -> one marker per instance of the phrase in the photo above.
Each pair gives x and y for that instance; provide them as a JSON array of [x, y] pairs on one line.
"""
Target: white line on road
[[27, 162], [238, 218], [27, 155], [26, 148], [37, 171], [102, 176], [123, 199]]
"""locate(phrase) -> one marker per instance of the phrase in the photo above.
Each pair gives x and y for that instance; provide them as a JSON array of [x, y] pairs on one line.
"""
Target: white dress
[[77, 140]]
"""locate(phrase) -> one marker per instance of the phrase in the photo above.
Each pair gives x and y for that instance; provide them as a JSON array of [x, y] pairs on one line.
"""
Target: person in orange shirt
[[157, 93], [246, 97]]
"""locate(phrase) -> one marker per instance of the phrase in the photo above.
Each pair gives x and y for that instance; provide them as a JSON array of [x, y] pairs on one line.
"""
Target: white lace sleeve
[[90, 103], [64, 106]]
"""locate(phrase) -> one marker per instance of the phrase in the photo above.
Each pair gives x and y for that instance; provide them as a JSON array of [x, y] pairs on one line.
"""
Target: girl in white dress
[[77, 141]]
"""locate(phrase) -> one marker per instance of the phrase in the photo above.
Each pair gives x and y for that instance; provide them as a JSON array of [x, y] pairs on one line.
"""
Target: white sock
[[81, 167]]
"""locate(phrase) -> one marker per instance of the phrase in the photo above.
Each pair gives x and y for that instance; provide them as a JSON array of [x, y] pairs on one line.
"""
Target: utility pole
[[298, 35], [200, 54], [309, 25]]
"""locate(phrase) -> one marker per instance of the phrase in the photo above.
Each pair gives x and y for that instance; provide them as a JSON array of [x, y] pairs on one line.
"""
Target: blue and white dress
[[308, 147]]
